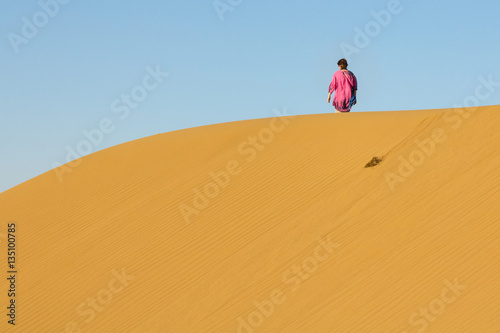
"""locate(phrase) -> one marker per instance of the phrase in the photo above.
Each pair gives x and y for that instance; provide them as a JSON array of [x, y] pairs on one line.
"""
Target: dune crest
[[367, 222]]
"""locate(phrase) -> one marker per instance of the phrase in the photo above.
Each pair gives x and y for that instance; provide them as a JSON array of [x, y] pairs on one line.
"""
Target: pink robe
[[344, 87]]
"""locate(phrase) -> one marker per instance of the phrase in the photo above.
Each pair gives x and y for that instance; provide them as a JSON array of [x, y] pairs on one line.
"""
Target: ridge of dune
[[269, 225]]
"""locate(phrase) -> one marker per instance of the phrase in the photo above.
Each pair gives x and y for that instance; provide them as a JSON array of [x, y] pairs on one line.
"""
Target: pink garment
[[344, 84]]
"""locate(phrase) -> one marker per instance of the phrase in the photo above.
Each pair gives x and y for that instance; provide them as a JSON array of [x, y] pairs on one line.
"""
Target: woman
[[345, 85]]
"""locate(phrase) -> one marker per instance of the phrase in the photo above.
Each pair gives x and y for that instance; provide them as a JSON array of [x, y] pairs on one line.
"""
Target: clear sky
[[67, 65]]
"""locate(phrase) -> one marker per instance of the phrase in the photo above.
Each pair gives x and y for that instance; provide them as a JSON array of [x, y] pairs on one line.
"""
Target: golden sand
[[269, 225]]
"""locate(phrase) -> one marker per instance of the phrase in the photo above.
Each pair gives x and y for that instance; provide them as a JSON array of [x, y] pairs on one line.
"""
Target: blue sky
[[71, 71]]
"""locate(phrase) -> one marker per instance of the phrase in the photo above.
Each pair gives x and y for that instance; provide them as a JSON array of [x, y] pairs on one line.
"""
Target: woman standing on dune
[[345, 85]]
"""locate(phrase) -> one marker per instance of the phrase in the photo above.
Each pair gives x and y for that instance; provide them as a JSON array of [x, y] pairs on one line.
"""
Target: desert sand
[[268, 225]]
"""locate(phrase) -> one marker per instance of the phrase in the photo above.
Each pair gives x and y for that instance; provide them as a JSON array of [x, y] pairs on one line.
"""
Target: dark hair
[[342, 63]]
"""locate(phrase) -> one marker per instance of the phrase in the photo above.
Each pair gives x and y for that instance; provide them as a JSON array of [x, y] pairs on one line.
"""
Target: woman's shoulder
[[349, 73], [344, 72]]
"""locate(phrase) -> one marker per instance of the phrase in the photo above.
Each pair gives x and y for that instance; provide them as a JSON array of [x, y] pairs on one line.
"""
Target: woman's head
[[342, 63]]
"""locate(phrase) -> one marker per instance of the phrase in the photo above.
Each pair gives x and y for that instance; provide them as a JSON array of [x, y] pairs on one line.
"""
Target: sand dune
[[269, 225]]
